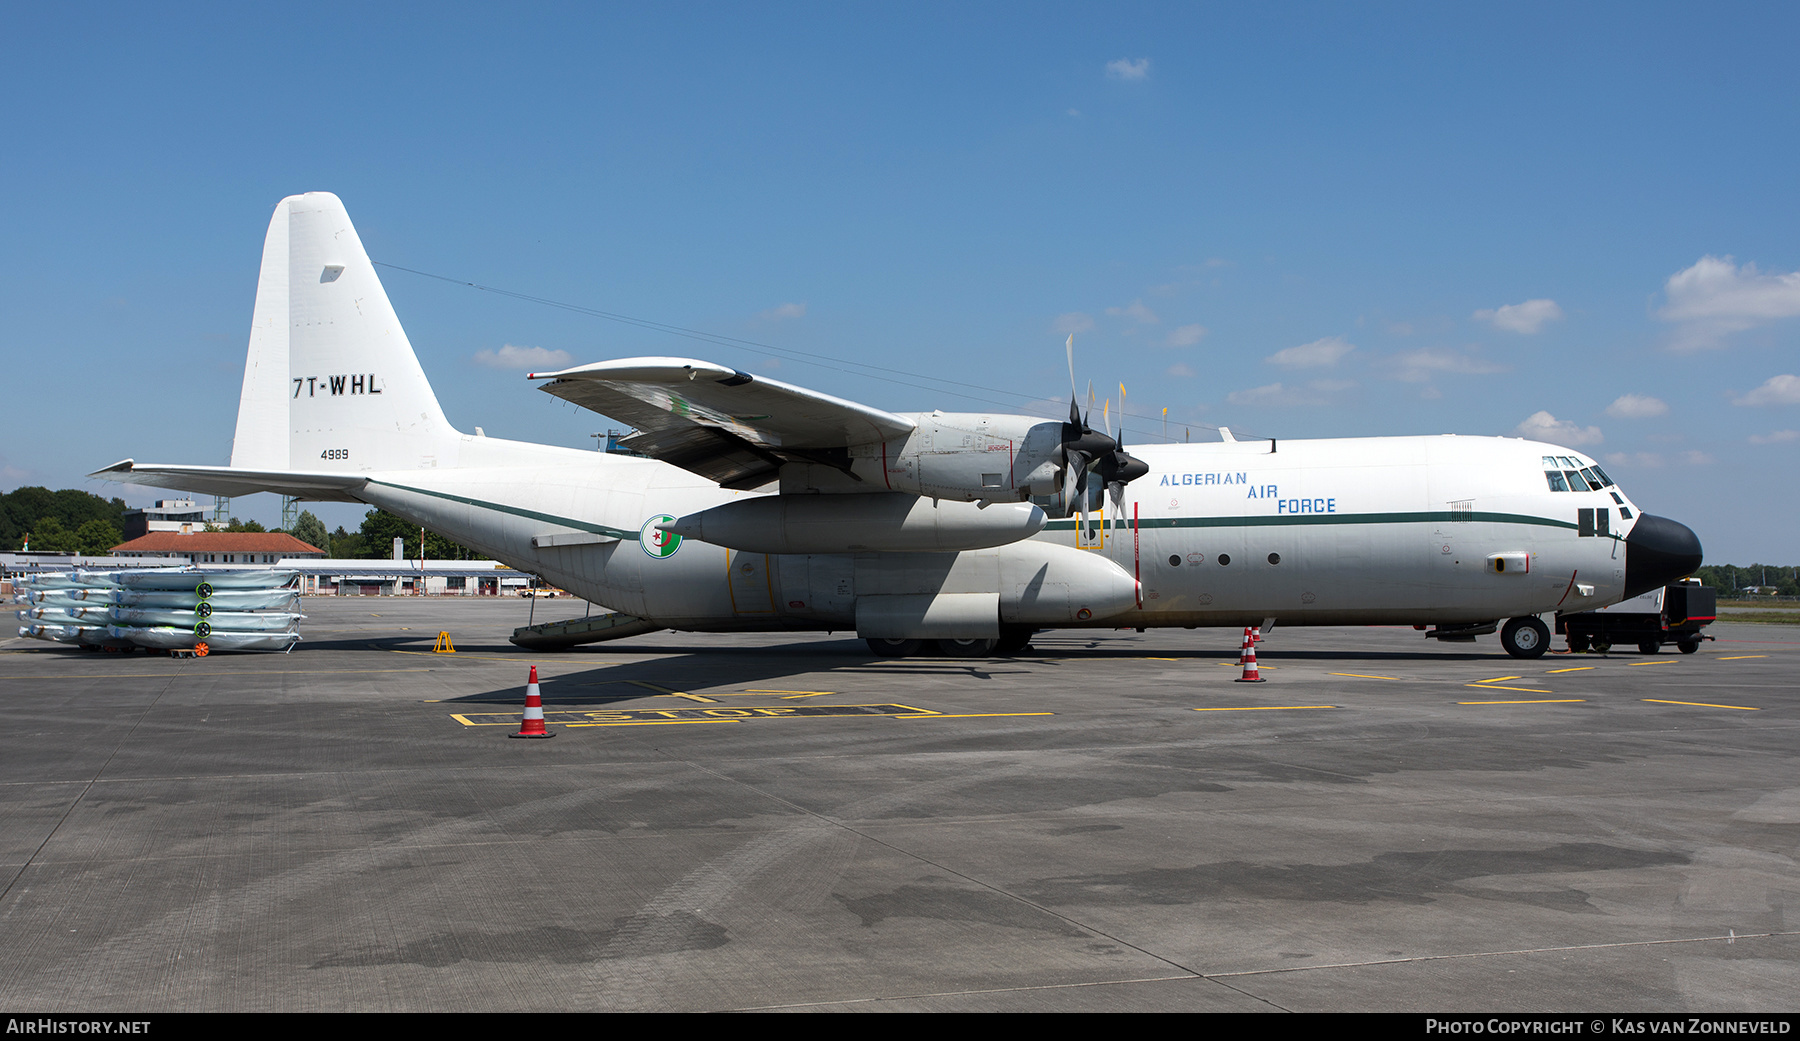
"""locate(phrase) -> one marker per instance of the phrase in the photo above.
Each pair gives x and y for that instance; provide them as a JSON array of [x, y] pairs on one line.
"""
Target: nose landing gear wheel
[[1525, 638]]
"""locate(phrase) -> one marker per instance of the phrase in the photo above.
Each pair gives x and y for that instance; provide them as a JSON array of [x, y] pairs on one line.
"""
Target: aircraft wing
[[227, 480], [723, 424]]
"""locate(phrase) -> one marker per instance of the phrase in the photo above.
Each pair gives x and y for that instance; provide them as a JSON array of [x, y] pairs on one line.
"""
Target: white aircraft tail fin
[[331, 382]]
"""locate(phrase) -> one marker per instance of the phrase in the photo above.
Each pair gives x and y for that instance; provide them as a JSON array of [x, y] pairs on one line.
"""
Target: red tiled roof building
[[219, 547]]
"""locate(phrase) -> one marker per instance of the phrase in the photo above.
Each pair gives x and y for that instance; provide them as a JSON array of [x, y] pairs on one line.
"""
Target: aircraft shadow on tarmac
[[740, 668]]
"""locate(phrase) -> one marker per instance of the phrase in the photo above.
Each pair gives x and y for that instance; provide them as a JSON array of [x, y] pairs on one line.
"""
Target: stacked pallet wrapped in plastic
[[164, 609]]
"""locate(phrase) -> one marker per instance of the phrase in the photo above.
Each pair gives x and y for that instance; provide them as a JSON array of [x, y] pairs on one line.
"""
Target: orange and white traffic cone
[[1250, 674], [533, 723], [1244, 647]]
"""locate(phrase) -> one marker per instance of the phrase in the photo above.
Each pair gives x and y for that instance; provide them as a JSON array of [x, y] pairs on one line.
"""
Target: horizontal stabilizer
[[230, 480]]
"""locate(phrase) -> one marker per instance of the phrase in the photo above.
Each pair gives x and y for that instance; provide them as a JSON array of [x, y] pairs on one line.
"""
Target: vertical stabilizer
[[330, 379]]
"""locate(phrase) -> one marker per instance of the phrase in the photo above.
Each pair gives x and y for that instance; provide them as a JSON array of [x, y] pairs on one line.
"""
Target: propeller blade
[[1071, 369]]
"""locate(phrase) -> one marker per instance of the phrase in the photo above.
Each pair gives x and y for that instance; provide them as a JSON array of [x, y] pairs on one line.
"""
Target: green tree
[[97, 537], [22, 508], [345, 545], [50, 535], [311, 530], [380, 528]]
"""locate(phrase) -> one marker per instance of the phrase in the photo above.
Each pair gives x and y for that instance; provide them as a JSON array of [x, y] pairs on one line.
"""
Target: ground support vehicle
[[1673, 614]]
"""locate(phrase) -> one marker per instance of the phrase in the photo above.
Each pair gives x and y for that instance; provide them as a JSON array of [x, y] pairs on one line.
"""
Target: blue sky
[[1293, 220]]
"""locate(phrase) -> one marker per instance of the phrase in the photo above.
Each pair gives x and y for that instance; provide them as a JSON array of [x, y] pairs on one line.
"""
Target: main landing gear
[[1012, 641], [1525, 637]]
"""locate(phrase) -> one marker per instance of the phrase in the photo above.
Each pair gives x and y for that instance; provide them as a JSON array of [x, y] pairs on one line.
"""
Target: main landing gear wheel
[[1649, 647], [1016, 641], [1525, 637], [966, 648], [894, 648]]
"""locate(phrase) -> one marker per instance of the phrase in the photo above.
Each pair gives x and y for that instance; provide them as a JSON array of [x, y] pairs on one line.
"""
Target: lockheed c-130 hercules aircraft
[[756, 505]]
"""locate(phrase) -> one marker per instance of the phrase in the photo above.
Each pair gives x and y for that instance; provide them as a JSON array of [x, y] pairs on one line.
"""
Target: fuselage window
[[1555, 477]]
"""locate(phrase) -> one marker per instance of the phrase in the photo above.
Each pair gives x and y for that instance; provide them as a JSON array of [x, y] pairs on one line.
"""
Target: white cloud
[[1073, 322], [1716, 298], [1528, 317], [1542, 426], [1316, 392], [1186, 335], [1129, 69], [1314, 355], [528, 359], [1776, 390], [1640, 460], [1637, 406], [785, 311], [1695, 457], [1421, 365], [1180, 370], [1775, 437], [1136, 311]]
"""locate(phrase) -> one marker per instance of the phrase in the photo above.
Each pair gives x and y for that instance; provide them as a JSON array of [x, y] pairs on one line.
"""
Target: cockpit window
[[1570, 474]]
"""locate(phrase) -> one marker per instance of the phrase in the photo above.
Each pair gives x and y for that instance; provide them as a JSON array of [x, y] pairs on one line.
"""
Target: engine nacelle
[[885, 522], [966, 456]]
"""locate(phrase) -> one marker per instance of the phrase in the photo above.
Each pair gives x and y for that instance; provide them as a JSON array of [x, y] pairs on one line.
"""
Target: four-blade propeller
[[1088, 450]]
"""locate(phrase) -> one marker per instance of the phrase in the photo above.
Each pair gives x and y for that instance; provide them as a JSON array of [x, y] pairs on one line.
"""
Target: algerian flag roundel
[[658, 543]]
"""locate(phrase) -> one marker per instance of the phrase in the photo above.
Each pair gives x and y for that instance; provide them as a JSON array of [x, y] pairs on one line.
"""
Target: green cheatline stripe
[[548, 518], [1419, 517]]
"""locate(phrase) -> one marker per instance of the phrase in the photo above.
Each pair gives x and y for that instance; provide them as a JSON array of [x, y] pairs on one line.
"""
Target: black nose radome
[[1657, 552]]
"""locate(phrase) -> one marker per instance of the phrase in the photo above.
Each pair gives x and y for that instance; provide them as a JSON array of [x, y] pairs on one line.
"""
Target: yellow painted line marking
[[1360, 676], [1700, 704], [673, 693], [1542, 701], [1497, 679], [1162, 659], [1740, 657], [790, 695], [1578, 668], [1260, 708], [1496, 686], [970, 715], [1664, 661], [653, 723]]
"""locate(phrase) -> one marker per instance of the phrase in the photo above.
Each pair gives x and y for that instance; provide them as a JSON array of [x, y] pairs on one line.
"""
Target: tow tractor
[[1673, 614]]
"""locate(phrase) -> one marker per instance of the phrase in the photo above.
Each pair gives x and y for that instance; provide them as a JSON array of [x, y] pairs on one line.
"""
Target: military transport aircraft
[[756, 505]]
